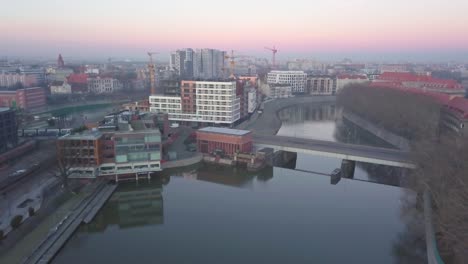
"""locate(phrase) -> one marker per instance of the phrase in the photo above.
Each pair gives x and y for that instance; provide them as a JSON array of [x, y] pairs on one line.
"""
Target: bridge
[[349, 153]]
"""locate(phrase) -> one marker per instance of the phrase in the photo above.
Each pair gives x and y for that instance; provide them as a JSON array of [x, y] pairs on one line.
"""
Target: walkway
[[85, 211]]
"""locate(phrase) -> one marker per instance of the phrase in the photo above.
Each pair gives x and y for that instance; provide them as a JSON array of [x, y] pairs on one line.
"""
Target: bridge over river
[[346, 152]]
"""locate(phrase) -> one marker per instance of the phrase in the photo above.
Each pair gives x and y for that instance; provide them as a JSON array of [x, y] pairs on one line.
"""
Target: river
[[210, 214]]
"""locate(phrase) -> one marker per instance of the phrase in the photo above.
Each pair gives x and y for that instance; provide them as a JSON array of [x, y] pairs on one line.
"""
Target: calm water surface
[[222, 215]]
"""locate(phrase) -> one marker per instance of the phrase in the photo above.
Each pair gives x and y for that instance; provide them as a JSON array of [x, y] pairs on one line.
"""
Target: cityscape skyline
[[359, 29]]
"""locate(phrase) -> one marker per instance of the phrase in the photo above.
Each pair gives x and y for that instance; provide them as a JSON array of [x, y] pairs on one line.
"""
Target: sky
[[359, 29]]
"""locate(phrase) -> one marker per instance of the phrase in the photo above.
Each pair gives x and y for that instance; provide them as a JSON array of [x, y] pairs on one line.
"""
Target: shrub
[[16, 221]]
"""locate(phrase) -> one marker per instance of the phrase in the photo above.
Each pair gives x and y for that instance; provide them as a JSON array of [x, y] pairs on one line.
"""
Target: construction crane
[[232, 62], [273, 59], [151, 69]]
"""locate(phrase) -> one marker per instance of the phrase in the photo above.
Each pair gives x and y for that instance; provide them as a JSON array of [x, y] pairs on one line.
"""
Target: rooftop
[[3, 109], [226, 131], [86, 135]]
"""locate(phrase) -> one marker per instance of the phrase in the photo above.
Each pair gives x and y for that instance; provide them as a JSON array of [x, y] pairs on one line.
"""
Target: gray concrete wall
[[393, 139]]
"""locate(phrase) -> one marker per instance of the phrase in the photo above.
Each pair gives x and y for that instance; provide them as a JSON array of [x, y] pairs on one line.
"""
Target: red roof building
[[410, 80], [78, 82]]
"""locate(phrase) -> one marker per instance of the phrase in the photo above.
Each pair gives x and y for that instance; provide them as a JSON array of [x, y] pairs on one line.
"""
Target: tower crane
[[232, 62], [273, 59], [151, 69]]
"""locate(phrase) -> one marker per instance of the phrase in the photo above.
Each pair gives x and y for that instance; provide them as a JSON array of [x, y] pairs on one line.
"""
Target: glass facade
[[137, 147]]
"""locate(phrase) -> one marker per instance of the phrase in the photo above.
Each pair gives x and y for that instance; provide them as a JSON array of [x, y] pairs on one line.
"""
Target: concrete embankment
[[268, 123], [391, 138], [58, 236], [182, 162]]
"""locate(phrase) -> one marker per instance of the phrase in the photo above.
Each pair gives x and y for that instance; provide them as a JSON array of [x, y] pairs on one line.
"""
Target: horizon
[[362, 30]]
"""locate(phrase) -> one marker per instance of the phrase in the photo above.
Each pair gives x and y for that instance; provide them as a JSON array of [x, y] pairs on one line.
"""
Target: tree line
[[441, 159]]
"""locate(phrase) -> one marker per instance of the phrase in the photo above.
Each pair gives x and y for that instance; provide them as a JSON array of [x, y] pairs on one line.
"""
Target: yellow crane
[[232, 62], [152, 72]]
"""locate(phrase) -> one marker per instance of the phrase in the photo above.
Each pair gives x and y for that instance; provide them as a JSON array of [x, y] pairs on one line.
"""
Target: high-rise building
[[208, 64], [297, 80], [182, 62]]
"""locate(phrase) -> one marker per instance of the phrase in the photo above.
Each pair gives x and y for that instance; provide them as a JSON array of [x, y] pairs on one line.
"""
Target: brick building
[[189, 97], [225, 140], [80, 153], [27, 98]]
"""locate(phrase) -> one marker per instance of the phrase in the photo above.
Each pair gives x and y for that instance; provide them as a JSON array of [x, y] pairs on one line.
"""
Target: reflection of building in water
[[131, 206], [301, 113], [225, 176], [139, 206]]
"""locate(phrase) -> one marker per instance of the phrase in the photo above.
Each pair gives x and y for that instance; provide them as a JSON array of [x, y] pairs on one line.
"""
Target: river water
[[210, 214]]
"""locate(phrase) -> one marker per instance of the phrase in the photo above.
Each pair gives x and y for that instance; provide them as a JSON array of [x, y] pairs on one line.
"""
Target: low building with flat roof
[[224, 141]]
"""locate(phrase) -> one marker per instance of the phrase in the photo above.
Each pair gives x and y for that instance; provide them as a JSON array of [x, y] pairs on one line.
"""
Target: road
[[361, 153]]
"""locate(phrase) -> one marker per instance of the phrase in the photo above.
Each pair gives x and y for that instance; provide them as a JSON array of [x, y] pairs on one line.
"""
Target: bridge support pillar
[[347, 168], [285, 159]]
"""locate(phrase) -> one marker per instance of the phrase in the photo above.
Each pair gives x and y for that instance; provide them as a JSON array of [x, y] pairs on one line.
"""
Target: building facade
[[454, 117], [104, 85], [296, 79], [321, 85], [209, 64], [28, 98], [8, 79], [223, 140], [60, 87], [280, 91], [31, 98], [8, 129], [113, 154], [214, 102], [252, 100]]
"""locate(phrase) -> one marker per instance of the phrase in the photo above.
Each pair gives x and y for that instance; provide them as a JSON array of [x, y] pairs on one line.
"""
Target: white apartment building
[[297, 79], [216, 102], [104, 85]]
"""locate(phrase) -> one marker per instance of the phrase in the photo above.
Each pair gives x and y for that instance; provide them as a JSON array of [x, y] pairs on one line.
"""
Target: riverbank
[[268, 122], [380, 132]]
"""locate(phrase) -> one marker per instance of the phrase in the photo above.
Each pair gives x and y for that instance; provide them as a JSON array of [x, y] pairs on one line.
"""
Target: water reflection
[[220, 215], [315, 121], [324, 122], [132, 205]]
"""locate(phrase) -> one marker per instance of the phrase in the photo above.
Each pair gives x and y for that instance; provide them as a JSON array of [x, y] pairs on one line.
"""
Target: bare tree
[[442, 167]]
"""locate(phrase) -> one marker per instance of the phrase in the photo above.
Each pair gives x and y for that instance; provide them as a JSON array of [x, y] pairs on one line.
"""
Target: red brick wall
[[228, 143]]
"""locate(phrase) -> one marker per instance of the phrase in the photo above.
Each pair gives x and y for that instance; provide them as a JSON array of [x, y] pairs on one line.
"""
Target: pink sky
[[128, 28]]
